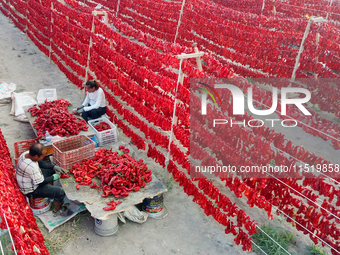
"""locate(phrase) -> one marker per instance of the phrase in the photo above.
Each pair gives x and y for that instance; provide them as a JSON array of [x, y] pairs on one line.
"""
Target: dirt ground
[[186, 230]]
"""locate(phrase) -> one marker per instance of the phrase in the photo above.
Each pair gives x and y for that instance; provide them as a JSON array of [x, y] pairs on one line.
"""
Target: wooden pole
[[317, 40], [167, 159], [330, 4], [26, 20], [9, 11], [108, 25], [117, 8], [174, 117], [179, 20], [94, 13], [301, 50], [89, 52], [198, 59], [311, 19], [52, 21]]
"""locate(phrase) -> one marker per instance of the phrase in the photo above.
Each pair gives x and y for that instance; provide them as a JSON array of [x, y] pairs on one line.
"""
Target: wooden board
[[89, 133], [95, 203]]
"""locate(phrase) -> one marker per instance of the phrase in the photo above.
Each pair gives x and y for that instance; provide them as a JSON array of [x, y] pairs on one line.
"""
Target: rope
[[273, 240], [306, 164], [258, 247], [300, 122], [309, 127], [166, 175], [305, 197], [10, 235], [310, 9], [2, 251], [305, 228]]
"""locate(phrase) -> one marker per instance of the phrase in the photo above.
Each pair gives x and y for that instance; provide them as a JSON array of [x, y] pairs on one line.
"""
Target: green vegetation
[[6, 243], [281, 236], [314, 250], [69, 230], [170, 184]]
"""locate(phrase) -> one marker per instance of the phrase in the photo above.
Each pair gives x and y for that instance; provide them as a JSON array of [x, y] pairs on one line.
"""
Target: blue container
[[94, 138]]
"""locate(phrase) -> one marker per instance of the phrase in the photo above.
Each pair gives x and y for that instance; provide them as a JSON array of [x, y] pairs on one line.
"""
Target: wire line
[[273, 240]]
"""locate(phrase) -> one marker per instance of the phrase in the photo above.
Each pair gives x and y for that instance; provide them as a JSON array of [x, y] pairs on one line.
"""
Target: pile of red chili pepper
[[54, 117], [102, 126], [119, 173]]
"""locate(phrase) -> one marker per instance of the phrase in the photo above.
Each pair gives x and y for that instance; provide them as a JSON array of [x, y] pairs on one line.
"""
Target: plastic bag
[[21, 100], [21, 118], [6, 92], [135, 215]]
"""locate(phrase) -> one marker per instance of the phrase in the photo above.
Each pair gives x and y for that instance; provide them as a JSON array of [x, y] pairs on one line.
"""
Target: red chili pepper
[[106, 194]]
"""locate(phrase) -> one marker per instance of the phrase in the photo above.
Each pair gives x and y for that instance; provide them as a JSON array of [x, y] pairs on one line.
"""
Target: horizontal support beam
[[99, 13], [317, 19], [191, 55]]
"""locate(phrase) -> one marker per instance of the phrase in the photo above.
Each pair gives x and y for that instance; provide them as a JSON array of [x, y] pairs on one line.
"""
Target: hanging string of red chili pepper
[[209, 209], [72, 77], [292, 183], [149, 132], [151, 100], [281, 68], [282, 202], [299, 10], [317, 122], [4, 7], [17, 8], [317, 133], [210, 190], [13, 206], [168, 28], [157, 11], [44, 12], [135, 139], [270, 135]]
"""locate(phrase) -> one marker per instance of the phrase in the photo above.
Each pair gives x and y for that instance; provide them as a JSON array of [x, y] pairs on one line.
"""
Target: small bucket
[[106, 227], [154, 206], [39, 205]]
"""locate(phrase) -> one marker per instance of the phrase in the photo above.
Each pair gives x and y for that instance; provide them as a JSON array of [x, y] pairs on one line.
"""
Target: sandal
[[63, 211]]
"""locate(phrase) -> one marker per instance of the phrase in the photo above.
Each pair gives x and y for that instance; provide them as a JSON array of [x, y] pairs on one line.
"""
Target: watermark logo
[[207, 92], [238, 100]]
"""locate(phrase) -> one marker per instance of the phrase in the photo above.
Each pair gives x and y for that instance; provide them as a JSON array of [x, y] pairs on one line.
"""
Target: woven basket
[[72, 150], [20, 147]]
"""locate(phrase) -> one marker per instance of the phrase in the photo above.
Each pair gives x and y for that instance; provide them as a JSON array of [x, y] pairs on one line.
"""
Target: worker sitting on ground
[[34, 177], [94, 104]]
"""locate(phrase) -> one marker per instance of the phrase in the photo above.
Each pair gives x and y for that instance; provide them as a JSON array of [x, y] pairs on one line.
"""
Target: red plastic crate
[[20, 147], [72, 150]]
